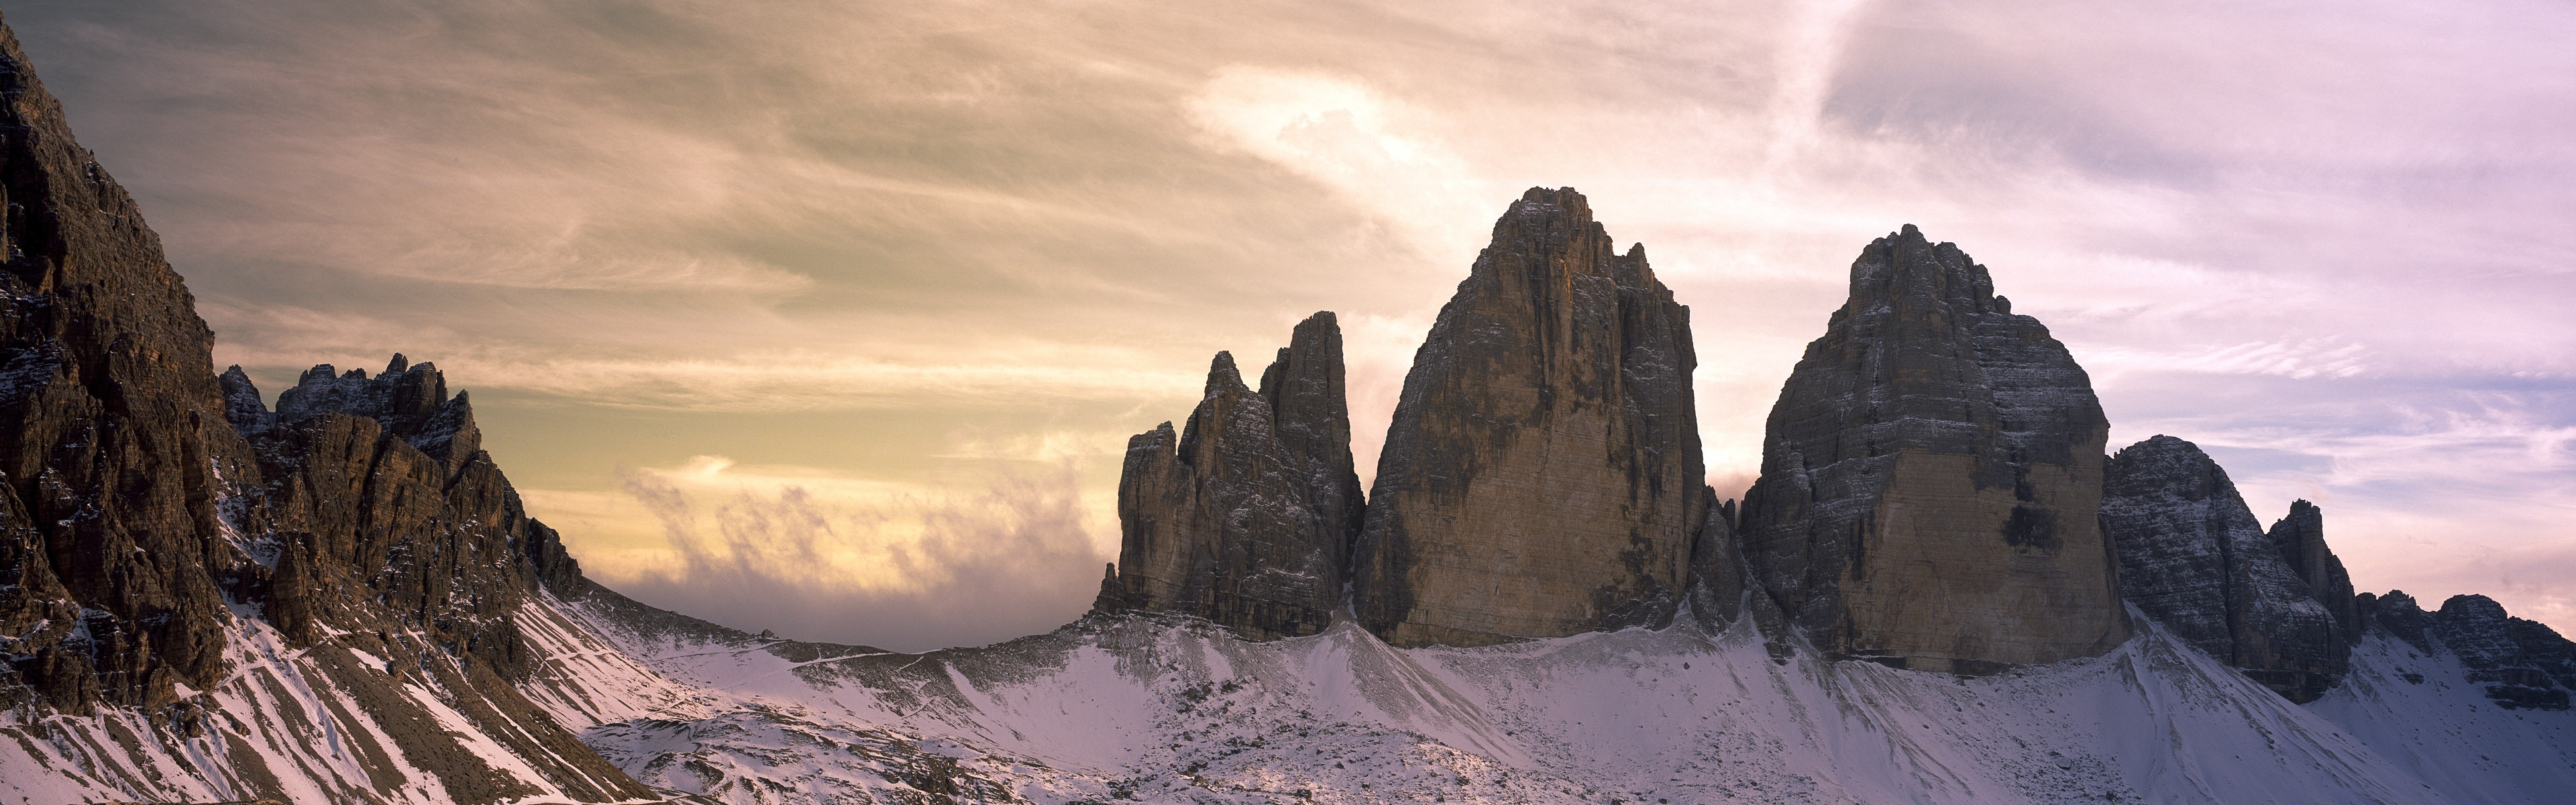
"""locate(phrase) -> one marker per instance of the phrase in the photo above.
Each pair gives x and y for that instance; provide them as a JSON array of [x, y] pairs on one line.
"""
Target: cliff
[[2193, 557], [1542, 475], [1246, 518], [1931, 478]]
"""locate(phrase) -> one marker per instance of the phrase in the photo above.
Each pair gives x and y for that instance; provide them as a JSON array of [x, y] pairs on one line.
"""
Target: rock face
[[1931, 477], [153, 516], [2523, 664], [2193, 557], [2301, 538], [1542, 474], [1246, 518]]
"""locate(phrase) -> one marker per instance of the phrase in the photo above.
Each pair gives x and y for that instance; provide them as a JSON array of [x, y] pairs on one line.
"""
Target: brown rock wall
[[1542, 474]]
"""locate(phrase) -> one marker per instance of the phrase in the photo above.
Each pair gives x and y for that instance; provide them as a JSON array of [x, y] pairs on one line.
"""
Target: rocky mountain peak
[[2301, 538], [165, 538], [2522, 664], [1542, 474], [1245, 519], [1931, 477], [2193, 557]]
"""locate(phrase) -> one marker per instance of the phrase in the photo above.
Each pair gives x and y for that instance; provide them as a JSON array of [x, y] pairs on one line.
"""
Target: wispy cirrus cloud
[[2325, 237]]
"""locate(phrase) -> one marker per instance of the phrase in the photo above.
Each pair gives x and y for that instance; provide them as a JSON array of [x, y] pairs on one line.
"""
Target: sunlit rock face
[[1931, 478], [2193, 557], [1246, 517], [1542, 474]]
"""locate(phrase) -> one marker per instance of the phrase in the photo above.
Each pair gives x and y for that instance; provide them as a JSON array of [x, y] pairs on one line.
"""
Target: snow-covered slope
[[319, 724], [1174, 710]]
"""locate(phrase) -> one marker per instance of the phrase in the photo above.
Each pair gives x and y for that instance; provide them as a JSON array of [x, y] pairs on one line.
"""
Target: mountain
[[207, 600], [340, 599], [1542, 474], [1247, 518], [1932, 478], [2193, 557]]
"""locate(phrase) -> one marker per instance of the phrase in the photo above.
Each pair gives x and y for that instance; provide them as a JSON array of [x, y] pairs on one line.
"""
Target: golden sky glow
[[834, 318]]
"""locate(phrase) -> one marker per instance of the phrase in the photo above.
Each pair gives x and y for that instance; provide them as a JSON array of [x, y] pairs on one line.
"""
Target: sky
[[833, 318]]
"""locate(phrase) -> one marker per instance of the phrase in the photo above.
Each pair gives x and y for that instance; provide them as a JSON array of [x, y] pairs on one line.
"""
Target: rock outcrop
[[2301, 538], [2523, 665], [1931, 477], [1542, 474], [1246, 518], [2193, 557], [153, 516]]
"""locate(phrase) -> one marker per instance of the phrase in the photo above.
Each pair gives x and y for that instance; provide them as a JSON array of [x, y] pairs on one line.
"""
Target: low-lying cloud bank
[[862, 563]]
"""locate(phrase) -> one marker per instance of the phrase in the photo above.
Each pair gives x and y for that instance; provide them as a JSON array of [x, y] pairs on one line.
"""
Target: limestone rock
[[151, 510], [2301, 538], [2193, 557], [112, 438], [2397, 613], [1311, 414], [1246, 518], [1542, 474], [1931, 477], [2523, 664]]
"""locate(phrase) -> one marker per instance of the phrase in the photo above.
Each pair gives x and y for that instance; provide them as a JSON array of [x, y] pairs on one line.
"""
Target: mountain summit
[[1932, 478], [1542, 475], [341, 599]]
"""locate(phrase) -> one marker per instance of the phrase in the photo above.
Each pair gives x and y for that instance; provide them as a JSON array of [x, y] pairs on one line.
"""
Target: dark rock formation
[[2523, 664], [1931, 477], [112, 440], [2193, 557], [1246, 519], [1542, 474], [141, 492], [2399, 615], [2301, 538]]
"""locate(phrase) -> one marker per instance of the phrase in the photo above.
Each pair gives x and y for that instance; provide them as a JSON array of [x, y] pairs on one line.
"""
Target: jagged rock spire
[[1246, 517], [1542, 474], [1931, 475], [2193, 557], [2301, 537]]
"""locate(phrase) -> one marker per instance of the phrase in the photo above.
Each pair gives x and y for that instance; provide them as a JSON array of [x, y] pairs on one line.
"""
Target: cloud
[[2326, 237], [819, 557]]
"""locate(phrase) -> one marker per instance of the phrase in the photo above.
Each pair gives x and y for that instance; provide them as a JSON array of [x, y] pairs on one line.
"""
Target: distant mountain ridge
[[343, 600]]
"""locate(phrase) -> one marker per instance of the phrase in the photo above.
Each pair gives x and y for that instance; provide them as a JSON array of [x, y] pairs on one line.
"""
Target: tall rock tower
[[1246, 517], [1542, 474], [2302, 540], [1932, 476]]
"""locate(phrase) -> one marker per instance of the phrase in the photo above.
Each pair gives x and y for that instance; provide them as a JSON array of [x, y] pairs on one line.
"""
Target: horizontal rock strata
[[1542, 475], [2193, 557], [1931, 477]]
